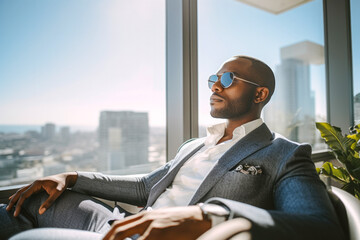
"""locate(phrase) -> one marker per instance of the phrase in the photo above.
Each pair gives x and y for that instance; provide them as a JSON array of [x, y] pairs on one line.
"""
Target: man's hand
[[54, 185], [176, 223]]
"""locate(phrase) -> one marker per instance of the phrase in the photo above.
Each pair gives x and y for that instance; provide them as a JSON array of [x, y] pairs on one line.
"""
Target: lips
[[216, 98]]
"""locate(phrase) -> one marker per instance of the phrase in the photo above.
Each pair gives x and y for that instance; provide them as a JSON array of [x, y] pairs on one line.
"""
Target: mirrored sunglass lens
[[226, 79], [212, 80]]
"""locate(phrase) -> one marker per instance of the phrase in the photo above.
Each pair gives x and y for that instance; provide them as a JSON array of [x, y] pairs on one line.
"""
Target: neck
[[232, 124]]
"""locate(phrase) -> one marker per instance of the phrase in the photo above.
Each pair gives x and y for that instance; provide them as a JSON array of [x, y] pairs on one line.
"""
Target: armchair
[[347, 209]]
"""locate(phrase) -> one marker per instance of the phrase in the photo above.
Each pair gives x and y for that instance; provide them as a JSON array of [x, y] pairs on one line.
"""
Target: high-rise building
[[357, 108], [48, 131], [65, 134], [292, 109], [123, 139]]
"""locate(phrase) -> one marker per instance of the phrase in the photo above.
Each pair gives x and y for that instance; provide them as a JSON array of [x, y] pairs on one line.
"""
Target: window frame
[[338, 59], [181, 74]]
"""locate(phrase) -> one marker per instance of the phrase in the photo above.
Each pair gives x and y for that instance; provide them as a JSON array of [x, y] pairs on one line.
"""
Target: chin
[[216, 114]]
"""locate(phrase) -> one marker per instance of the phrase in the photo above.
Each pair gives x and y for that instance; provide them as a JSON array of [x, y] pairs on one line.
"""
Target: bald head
[[255, 71]]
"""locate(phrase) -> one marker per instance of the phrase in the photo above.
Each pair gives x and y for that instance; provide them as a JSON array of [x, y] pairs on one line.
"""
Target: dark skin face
[[241, 102]]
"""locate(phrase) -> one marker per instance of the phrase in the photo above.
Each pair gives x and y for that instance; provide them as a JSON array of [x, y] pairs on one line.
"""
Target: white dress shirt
[[194, 171]]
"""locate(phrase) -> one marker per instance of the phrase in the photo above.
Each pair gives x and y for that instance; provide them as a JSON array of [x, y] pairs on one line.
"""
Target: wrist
[[71, 179]]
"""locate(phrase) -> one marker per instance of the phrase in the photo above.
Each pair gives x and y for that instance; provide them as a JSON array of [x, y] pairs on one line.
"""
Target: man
[[240, 169]]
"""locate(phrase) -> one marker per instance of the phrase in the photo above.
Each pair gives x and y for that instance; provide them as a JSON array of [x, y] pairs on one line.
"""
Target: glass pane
[[290, 42], [82, 87], [355, 34]]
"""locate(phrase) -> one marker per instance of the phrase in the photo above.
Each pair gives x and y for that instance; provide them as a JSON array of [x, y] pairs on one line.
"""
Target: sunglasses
[[226, 80]]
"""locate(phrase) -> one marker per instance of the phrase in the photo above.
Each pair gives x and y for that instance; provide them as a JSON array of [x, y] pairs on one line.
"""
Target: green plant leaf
[[338, 173], [346, 150], [353, 167], [334, 139], [356, 137]]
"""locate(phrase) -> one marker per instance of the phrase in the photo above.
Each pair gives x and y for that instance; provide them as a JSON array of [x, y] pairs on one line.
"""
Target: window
[[355, 34], [82, 87], [290, 42]]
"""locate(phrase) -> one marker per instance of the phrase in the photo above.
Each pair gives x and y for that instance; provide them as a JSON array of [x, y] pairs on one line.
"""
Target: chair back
[[347, 208]]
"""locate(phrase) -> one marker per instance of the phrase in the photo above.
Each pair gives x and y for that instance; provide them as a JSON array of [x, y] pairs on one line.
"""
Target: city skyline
[[22, 128], [123, 143]]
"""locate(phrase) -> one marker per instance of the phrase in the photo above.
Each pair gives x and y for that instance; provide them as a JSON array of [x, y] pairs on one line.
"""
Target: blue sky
[[65, 61]]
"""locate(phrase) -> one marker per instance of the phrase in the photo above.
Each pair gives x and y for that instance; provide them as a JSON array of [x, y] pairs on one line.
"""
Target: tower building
[[123, 139], [48, 131], [292, 110]]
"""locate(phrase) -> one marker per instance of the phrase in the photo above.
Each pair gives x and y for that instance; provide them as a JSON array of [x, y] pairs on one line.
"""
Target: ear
[[261, 94]]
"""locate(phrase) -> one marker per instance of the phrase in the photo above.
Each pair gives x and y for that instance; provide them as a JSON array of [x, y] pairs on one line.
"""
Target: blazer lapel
[[254, 141], [160, 187]]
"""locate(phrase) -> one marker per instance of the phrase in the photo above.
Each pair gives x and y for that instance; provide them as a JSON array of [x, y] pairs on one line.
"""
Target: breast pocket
[[247, 188]]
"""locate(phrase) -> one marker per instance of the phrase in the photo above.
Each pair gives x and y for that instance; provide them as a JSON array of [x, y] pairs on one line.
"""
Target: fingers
[[158, 224], [14, 198], [153, 233], [129, 230], [23, 196], [128, 219], [128, 227], [115, 227], [53, 185], [49, 201]]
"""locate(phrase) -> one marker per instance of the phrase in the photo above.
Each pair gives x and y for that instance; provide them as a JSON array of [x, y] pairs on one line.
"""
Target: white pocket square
[[249, 169]]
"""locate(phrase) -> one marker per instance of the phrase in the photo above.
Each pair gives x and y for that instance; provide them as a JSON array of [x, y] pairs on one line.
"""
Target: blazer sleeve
[[303, 209], [128, 189]]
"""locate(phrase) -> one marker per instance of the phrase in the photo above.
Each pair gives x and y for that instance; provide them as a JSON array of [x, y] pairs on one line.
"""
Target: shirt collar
[[248, 127], [216, 132]]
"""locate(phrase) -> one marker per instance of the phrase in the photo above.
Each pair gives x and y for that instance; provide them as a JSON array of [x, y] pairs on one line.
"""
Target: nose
[[217, 87]]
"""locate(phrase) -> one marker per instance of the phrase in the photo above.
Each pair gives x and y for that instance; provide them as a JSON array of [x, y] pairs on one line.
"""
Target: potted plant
[[346, 150]]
